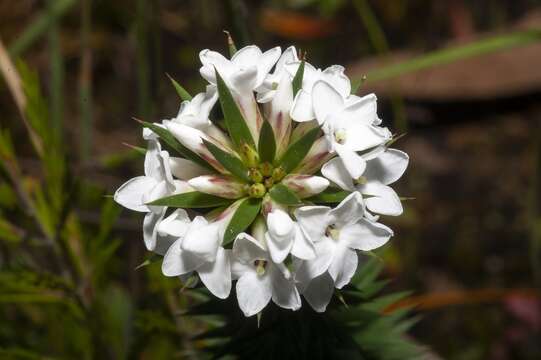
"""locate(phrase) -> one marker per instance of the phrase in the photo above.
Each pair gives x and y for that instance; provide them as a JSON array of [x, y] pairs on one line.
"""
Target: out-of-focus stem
[[85, 83], [56, 68]]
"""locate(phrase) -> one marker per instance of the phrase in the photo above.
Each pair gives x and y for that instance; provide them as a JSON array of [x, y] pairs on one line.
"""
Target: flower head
[[281, 194]]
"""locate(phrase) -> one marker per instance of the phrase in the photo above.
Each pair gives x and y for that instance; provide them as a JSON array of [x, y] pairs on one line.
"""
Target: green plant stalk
[[40, 26], [380, 44], [56, 67], [449, 55], [85, 84]]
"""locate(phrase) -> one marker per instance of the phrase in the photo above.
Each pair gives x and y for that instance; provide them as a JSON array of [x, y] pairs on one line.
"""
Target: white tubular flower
[[267, 90], [380, 172], [245, 72], [284, 236], [348, 125], [215, 274], [260, 279], [337, 234], [303, 105], [278, 237]]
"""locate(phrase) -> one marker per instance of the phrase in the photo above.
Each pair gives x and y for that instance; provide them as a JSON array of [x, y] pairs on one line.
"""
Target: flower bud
[[219, 185], [266, 168], [305, 185], [278, 174], [255, 175], [257, 190], [250, 156]]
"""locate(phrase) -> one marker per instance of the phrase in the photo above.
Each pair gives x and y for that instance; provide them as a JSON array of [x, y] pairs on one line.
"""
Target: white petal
[[177, 262], [288, 56], [246, 57], [303, 247], [163, 243], [335, 171], [319, 292], [361, 110], [185, 169], [326, 100], [343, 266], [313, 220], [188, 136], [284, 292], [219, 185], [353, 163], [387, 167], [365, 235], [278, 248], [150, 228], [334, 75], [244, 81], [253, 293], [246, 249], [302, 110], [280, 235], [383, 199], [203, 239], [280, 107], [175, 224], [266, 62], [349, 211], [217, 275], [131, 193], [153, 161], [310, 269], [211, 60]]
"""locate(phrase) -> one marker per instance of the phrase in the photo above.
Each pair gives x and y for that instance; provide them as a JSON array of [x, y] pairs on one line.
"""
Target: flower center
[[332, 232], [340, 136], [260, 266]]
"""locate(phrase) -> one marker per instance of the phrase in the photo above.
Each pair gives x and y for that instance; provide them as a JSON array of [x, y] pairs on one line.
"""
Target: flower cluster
[[280, 191]]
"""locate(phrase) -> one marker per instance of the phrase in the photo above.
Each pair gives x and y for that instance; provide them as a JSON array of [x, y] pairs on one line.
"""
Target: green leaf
[[232, 163], [296, 152], [452, 54], [283, 195], [243, 217], [234, 121], [170, 140], [182, 93], [193, 199], [329, 196], [297, 80], [267, 143], [230, 44]]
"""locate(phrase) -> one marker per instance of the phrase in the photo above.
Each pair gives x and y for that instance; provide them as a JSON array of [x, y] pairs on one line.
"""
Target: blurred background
[[461, 79]]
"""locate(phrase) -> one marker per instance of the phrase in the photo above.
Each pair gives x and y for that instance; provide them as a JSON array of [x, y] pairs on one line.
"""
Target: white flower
[[259, 279], [215, 273], [381, 171], [195, 112], [156, 183], [303, 105], [337, 234], [245, 72], [305, 185], [284, 236], [348, 125], [267, 90]]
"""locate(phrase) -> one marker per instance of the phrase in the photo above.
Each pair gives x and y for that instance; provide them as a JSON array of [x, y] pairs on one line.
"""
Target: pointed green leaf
[[230, 44], [230, 162], [283, 195], [234, 121], [296, 152], [267, 143], [330, 195], [297, 80], [182, 93], [193, 199], [170, 140], [244, 216]]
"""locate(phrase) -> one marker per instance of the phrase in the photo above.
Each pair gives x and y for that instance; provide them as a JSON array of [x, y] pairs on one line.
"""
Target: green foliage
[[182, 93], [234, 121], [230, 162], [244, 215], [362, 330], [180, 149], [193, 199], [297, 79], [296, 152], [267, 143], [330, 195], [283, 195]]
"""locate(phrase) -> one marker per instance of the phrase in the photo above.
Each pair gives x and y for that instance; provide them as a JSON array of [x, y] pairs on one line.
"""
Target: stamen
[[340, 136]]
